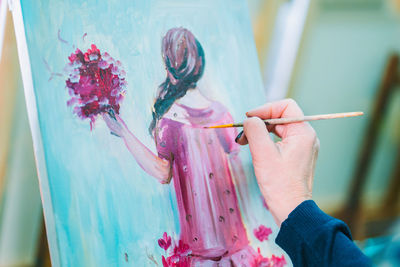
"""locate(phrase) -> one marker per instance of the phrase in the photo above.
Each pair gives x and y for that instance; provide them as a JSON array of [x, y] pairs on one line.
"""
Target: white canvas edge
[[30, 100], [3, 15], [283, 71]]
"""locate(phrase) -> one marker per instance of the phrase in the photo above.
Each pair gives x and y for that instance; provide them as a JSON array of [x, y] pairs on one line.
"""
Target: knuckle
[[250, 121], [317, 144], [312, 137], [291, 101], [246, 123], [313, 134]]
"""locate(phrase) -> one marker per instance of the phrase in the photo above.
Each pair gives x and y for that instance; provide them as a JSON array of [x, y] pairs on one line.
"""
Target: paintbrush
[[296, 119]]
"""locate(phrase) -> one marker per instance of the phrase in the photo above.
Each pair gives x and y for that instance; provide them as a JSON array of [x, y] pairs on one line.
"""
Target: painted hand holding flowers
[[96, 83]]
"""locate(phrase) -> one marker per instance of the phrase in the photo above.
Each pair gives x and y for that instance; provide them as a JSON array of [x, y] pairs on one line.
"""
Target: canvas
[[119, 93]]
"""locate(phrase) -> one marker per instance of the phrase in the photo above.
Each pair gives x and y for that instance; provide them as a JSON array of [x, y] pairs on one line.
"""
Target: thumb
[[262, 147]]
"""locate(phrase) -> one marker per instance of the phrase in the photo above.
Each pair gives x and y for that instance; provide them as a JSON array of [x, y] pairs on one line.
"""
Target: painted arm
[[157, 167]]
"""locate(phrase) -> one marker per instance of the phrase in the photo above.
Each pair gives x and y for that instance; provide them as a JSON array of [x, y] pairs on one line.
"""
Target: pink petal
[[262, 232], [161, 243]]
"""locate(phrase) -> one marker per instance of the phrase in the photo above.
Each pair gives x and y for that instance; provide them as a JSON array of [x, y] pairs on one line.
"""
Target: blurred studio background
[[328, 55]]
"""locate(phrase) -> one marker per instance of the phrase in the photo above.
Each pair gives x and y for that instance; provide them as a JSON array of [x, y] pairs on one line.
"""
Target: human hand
[[114, 122], [285, 169]]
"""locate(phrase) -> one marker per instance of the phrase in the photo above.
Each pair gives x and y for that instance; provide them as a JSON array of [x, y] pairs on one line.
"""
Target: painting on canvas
[[119, 94]]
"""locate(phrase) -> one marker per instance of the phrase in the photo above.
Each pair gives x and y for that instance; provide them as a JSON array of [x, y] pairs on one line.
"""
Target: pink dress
[[210, 219]]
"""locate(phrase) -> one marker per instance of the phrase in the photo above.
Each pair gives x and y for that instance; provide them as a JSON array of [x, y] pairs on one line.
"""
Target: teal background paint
[[104, 204]]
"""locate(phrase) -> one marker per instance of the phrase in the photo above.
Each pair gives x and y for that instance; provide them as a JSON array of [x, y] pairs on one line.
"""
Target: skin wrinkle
[[285, 173], [272, 160]]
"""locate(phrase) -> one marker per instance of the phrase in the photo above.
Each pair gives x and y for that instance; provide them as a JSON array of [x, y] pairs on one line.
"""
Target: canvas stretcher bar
[[3, 8], [25, 65]]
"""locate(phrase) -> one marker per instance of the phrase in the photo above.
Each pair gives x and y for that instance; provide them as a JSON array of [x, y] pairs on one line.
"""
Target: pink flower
[[274, 261], [183, 262], [94, 85], [264, 262], [92, 53], [182, 249], [103, 64], [262, 232], [176, 261], [278, 261], [164, 262], [74, 56], [179, 256], [261, 261], [164, 242]]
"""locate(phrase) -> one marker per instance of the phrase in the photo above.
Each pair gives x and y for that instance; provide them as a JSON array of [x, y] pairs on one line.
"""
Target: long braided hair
[[184, 61]]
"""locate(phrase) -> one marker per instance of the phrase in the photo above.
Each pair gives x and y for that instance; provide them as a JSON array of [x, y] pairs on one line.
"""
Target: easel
[[353, 206]]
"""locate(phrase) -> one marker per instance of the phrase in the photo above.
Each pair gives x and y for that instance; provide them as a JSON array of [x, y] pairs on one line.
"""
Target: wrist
[[124, 133], [280, 208]]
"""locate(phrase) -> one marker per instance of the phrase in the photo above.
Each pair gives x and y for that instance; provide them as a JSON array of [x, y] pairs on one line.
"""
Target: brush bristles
[[220, 126]]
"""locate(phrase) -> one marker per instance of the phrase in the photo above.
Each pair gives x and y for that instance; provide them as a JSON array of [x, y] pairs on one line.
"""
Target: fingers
[[261, 145], [280, 109], [115, 134], [106, 117], [111, 113], [286, 108]]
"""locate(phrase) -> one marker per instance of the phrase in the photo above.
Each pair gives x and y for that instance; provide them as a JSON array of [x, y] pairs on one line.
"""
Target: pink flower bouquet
[[96, 83]]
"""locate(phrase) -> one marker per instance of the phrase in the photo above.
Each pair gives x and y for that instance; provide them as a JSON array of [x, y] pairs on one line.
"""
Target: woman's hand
[[116, 125], [285, 169]]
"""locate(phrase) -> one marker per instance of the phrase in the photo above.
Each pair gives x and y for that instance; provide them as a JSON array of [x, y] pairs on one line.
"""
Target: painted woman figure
[[201, 162]]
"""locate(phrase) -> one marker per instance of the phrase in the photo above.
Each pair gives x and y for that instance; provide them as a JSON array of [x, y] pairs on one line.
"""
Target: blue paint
[[107, 209]]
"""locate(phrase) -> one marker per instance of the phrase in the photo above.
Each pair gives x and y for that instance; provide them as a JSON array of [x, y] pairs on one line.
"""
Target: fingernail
[[251, 111], [238, 136], [115, 134]]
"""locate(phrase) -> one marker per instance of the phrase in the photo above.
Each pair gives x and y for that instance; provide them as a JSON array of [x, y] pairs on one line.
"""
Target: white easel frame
[[31, 105]]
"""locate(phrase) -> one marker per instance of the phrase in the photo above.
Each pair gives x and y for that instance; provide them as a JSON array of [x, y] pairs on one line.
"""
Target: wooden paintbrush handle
[[298, 119], [312, 118]]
